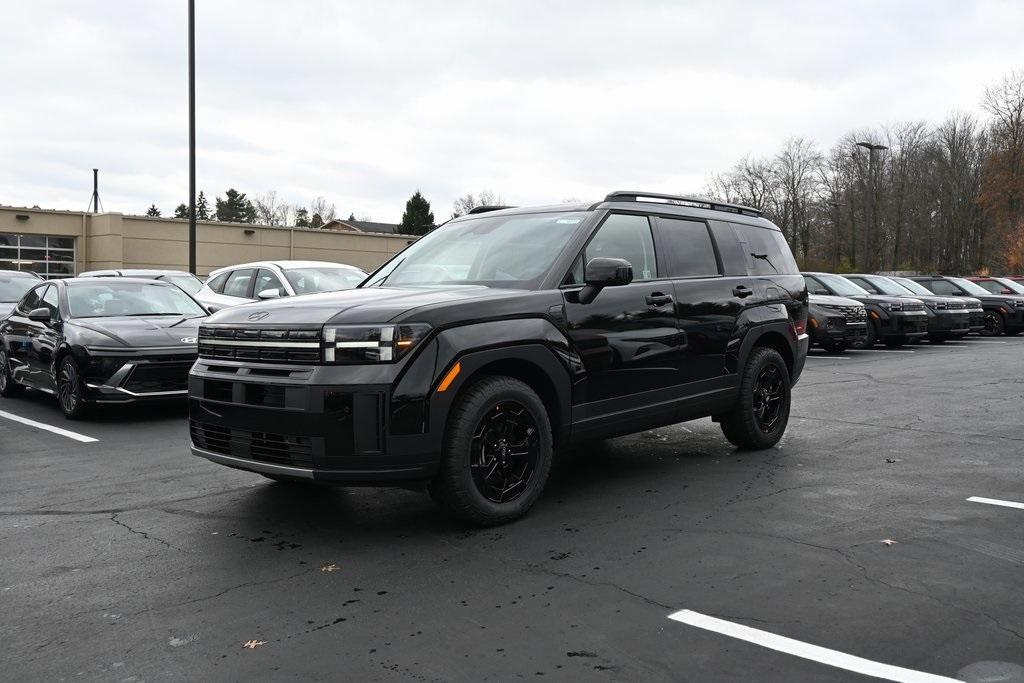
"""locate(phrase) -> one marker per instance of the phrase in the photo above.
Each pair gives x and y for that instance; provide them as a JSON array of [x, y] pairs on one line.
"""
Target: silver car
[[234, 285]]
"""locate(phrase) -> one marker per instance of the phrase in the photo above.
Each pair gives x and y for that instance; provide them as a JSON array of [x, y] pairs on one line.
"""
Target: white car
[[183, 279], [234, 285]]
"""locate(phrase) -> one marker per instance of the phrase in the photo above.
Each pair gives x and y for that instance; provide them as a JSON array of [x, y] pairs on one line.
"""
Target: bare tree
[[270, 210], [469, 201], [323, 209]]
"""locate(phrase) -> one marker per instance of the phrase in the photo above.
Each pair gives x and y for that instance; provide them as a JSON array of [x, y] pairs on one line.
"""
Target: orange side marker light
[[449, 378]]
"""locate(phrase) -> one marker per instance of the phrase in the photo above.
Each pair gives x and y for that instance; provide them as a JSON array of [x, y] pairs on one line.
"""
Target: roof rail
[[485, 209], [634, 196]]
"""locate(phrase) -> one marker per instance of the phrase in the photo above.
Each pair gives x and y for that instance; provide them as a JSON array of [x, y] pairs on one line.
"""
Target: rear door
[[238, 286], [44, 341], [709, 296], [267, 279], [20, 333]]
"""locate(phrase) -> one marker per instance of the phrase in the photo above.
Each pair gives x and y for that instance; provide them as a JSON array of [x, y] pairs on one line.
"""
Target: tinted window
[[943, 287], [625, 237], [815, 286], [12, 288], [765, 250], [323, 279], [50, 301], [217, 284], [267, 280], [238, 283], [31, 301], [688, 246], [864, 283], [110, 297], [992, 286], [734, 259]]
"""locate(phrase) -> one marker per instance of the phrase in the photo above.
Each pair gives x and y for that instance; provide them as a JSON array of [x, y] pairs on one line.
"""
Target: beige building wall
[[112, 240]]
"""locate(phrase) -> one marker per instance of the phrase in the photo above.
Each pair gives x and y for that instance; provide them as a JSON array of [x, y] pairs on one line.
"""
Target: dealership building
[[65, 243]]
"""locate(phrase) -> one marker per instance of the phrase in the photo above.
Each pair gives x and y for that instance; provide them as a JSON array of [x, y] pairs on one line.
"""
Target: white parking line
[[56, 430], [828, 357], [840, 660], [993, 501], [886, 350]]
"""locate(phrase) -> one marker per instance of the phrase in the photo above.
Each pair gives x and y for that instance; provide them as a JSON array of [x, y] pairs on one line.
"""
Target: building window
[[47, 255]]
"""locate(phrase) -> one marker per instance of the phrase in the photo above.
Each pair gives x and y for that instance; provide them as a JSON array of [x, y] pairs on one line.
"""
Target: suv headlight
[[894, 306], [371, 343]]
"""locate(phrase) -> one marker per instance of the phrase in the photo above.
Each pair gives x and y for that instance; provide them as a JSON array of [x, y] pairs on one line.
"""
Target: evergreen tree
[[417, 219], [302, 218], [352, 216], [234, 208], [202, 207], [316, 221], [153, 211], [181, 211]]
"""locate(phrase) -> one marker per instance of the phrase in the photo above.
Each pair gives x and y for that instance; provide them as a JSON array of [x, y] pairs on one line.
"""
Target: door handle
[[742, 291], [658, 299]]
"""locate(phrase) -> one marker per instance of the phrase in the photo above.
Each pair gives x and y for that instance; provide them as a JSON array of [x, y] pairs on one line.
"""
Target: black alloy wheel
[[69, 389], [768, 398], [8, 387], [505, 450], [994, 324]]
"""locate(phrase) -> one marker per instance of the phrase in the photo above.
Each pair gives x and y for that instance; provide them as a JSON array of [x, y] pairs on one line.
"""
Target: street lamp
[[192, 136], [873, 226]]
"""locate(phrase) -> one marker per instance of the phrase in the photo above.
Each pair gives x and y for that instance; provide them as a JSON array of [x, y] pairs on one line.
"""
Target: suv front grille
[[265, 345], [279, 449], [853, 314], [956, 306], [909, 306]]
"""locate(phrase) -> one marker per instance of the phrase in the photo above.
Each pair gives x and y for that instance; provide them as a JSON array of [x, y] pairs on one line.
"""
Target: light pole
[[192, 136], [873, 225]]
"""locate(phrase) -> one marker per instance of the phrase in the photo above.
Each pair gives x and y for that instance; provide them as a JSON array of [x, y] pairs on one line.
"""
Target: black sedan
[[93, 340]]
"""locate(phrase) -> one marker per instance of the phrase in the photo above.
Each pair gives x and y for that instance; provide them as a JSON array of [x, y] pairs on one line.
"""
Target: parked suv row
[[463, 361]]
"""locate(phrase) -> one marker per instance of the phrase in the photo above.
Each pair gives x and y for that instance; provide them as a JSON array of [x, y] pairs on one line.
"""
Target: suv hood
[[829, 300], [137, 332], [882, 299], [362, 305], [6, 307]]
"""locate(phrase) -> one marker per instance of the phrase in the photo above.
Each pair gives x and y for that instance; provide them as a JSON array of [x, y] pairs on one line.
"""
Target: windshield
[[912, 286], [190, 283], [495, 251], [323, 279], [970, 287], [12, 288], [841, 286], [108, 298]]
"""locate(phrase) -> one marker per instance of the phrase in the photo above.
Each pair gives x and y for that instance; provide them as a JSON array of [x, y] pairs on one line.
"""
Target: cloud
[[364, 103]]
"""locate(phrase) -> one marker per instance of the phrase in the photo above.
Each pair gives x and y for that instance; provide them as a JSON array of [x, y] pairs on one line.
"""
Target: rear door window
[[239, 283], [765, 250], [267, 280], [686, 248]]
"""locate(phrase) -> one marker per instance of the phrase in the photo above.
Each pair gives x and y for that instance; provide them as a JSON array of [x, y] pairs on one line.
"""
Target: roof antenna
[[94, 203]]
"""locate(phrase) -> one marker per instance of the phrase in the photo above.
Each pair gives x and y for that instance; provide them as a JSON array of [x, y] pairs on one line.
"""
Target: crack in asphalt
[[145, 535], [153, 504], [892, 428]]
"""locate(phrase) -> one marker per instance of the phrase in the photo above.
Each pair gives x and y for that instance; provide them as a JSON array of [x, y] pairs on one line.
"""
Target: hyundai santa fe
[[463, 362]]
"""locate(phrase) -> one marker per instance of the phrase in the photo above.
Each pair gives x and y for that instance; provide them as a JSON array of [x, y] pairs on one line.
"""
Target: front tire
[[71, 390], [895, 342], [833, 346], [761, 413], [497, 453], [8, 387], [995, 324], [869, 338]]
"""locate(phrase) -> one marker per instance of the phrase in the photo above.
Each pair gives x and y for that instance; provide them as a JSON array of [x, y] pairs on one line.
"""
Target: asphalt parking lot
[[126, 558]]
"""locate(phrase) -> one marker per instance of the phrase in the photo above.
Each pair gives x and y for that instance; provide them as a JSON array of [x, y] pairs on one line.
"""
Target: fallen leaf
[[328, 567], [891, 460], [889, 541], [253, 644]]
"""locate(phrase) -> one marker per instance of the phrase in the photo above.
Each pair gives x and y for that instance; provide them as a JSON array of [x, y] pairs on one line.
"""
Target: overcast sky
[[364, 102]]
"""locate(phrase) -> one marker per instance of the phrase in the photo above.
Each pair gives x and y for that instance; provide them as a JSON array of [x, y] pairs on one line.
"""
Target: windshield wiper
[[764, 257], [133, 315]]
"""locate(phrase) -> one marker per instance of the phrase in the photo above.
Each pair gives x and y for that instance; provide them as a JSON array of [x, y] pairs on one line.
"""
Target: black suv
[[891, 319], [1004, 314], [462, 362], [948, 316]]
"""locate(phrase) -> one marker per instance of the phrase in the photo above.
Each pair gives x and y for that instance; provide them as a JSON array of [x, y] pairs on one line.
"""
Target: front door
[[44, 342], [21, 333], [627, 336]]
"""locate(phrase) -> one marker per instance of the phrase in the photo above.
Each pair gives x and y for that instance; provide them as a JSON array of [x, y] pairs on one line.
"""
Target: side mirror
[[821, 292], [1006, 291], [604, 272], [274, 293], [212, 309], [40, 315]]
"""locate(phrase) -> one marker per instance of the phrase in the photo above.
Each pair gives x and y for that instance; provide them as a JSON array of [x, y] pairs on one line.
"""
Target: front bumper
[[139, 377], [977, 319], [835, 329], [325, 423], [904, 324], [949, 322]]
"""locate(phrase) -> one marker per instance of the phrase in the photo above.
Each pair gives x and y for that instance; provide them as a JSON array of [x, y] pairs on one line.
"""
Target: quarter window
[[238, 283], [216, 284], [689, 247]]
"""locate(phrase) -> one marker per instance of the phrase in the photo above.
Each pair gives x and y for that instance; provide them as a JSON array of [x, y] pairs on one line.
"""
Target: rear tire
[[895, 342], [761, 413], [71, 390], [833, 346], [8, 387], [1012, 333], [937, 338], [497, 453]]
